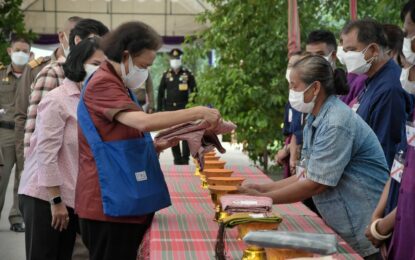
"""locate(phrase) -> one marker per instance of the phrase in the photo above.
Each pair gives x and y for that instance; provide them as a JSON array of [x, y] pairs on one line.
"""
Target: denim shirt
[[343, 153]]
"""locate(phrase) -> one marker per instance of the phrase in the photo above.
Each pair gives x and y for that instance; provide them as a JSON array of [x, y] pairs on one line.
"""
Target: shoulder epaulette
[[36, 62]]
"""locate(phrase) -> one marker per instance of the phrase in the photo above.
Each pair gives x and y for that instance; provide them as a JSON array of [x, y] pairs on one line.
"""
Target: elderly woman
[[47, 186], [345, 167], [120, 183]]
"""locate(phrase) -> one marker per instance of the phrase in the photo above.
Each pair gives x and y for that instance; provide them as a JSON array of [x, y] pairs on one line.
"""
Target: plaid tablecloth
[[186, 230]]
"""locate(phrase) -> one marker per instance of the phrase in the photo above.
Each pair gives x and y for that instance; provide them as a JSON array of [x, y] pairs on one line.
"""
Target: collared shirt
[[8, 87], [104, 97], [52, 159], [385, 106], [48, 78], [343, 153], [293, 123]]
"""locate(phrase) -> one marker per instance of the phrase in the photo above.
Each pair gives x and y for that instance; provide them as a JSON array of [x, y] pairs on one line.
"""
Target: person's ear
[[317, 88], [31, 55], [61, 37], [9, 51], [374, 49], [77, 39], [334, 56]]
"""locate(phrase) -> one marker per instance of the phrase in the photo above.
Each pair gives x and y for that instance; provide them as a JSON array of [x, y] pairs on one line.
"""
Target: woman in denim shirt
[[346, 169]]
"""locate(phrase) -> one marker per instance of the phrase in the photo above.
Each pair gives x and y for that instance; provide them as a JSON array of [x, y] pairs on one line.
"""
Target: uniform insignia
[[5, 79], [36, 62]]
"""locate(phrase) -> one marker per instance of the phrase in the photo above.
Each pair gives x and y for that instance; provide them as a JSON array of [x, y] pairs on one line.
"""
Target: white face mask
[[406, 84], [65, 50], [296, 100], [175, 64], [89, 69], [407, 50], [356, 63], [287, 74], [340, 54], [20, 58], [136, 76]]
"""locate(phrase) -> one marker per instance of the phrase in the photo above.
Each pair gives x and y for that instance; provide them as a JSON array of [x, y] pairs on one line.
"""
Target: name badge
[[300, 172], [183, 87], [410, 134], [397, 170], [141, 176]]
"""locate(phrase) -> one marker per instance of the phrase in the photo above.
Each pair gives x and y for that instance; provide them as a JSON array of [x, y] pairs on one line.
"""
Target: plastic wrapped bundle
[[244, 203], [323, 244]]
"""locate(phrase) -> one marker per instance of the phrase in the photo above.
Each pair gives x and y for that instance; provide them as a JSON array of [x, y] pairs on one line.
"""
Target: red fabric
[[186, 230], [104, 98], [199, 139], [353, 9]]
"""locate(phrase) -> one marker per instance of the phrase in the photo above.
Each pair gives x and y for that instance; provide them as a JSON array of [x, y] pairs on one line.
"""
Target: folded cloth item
[[323, 244], [243, 218], [244, 203], [199, 139], [237, 219]]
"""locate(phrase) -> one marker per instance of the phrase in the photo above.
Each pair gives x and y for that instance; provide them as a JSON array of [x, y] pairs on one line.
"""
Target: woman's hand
[[60, 216], [211, 115], [293, 165], [281, 155], [248, 191]]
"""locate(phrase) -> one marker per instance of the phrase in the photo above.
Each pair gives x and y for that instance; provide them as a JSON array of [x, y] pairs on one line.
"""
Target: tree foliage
[[248, 83], [11, 22]]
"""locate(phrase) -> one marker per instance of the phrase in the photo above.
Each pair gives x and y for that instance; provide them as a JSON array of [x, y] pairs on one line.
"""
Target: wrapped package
[[244, 203], [323, 244]]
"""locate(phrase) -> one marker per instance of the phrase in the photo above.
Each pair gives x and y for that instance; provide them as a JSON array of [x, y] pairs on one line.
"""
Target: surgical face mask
[[407, 50], [296, 100], [356, 63], [65, 50], [287, 74], [89, 69], [406, 84], [20, 58], [340, 54], [175, 64], [135, 77]]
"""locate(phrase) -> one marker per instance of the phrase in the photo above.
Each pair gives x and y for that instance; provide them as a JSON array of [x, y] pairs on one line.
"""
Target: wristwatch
[[56, 200]]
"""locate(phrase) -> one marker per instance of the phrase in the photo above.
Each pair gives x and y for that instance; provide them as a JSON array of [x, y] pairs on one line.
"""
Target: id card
[[397, 170], [300, 172], [183, 87], [410, 134]]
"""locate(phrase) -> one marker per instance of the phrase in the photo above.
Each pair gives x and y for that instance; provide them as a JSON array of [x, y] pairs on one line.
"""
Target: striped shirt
[[48, 78]]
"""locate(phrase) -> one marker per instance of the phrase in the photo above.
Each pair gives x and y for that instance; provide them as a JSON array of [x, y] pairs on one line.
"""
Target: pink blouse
[[52, 158]]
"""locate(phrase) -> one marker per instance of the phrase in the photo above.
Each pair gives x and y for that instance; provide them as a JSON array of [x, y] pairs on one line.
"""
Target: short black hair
[[322, 36], [74, 64], [86, 27], [368, 31], [134, 37], [394, 38], [19, 38], [409, 7]]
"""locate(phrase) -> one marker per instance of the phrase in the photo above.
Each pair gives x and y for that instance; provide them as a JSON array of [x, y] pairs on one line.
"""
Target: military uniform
[[8, 88], [173, 94]]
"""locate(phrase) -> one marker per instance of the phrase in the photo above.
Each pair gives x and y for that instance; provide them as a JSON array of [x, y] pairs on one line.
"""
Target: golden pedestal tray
[[216, 192], [225, 181], [209, 173]]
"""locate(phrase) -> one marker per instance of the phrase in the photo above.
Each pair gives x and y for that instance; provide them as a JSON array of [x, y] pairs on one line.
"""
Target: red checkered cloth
[[186, 230]]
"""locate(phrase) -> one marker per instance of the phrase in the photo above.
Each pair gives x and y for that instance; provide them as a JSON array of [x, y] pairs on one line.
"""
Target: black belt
[[7, 125]]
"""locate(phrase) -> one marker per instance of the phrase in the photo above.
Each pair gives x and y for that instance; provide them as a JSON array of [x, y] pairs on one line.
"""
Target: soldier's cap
[[175, 53]]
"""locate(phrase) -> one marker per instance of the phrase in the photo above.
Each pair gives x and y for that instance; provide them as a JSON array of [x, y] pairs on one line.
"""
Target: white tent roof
[[167, 17]]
